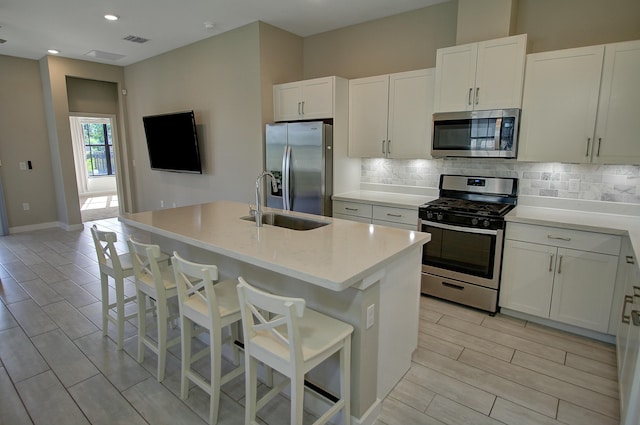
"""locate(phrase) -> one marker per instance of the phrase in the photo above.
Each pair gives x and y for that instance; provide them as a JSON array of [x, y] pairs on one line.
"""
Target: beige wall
[[399, 43], [23, 137], [219, 78], [91, 96], [562, 24]]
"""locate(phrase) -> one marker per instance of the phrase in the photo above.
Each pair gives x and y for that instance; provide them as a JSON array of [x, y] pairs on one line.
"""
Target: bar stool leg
[[120, 306], [187, 326], [104, 286], [142, 323], [162, 338], [345, 382]]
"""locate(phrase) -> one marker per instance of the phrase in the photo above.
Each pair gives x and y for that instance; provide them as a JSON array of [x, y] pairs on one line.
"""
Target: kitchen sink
[[287, 221]]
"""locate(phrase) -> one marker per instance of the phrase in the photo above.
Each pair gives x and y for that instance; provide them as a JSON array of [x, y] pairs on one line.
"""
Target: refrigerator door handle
[[286, 175]]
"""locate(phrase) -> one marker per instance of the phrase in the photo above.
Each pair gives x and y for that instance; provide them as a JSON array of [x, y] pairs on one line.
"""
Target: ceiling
[[77, 28]]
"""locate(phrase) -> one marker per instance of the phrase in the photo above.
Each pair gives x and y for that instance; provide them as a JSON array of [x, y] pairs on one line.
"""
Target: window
[[98, 146]]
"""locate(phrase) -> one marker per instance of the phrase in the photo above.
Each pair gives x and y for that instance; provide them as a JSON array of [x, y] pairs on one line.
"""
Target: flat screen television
[[172, 142]]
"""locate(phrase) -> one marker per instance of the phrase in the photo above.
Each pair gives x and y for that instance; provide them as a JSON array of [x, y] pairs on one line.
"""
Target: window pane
[[97, 161]]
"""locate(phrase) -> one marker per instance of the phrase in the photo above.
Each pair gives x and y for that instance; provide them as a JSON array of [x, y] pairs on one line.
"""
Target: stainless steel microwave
[[492, 133]]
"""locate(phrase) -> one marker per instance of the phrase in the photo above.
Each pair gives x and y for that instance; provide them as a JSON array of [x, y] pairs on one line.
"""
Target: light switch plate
[[371, 311]]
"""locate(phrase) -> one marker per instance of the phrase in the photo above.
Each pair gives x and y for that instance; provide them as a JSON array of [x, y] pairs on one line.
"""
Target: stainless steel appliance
[[300, 156], [492, 133], [462, 261]]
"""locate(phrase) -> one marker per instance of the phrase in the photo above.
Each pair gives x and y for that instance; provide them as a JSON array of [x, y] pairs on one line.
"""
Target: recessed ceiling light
[[53, 51], [110, 17]]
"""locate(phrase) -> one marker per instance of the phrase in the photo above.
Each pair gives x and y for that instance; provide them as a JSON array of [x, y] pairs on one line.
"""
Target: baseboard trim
[[48, 225]]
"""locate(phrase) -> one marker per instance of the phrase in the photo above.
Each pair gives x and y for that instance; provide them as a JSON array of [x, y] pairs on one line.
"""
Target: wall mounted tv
[[172, 141]]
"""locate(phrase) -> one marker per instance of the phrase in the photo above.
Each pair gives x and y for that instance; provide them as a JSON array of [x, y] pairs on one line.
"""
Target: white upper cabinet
[[617, 125], [484, 75], [581, 105], [304, 100], [390, 115]]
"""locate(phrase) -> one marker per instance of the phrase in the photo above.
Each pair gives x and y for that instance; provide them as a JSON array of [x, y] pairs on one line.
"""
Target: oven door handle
[[460, 228]]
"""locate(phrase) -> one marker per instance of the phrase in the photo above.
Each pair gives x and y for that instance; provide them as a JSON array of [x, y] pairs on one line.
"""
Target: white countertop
[[388, 199], [616, 224], [336, 256]]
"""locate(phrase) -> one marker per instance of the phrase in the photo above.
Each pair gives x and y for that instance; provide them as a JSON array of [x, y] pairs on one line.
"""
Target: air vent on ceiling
[[136, 39], [99, 54]]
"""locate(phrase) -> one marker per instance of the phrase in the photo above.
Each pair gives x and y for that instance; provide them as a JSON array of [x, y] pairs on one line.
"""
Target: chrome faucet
[[258, 210]]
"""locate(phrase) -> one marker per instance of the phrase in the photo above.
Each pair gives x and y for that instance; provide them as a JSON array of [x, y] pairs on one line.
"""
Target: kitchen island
[[365, 275]]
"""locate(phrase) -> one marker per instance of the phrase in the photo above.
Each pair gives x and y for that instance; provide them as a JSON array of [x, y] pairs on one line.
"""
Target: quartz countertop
[[335, 257], [389, 199], [615, 224]]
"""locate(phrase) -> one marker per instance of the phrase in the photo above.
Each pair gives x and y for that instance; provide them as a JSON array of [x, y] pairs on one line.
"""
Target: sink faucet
[[258, 211]]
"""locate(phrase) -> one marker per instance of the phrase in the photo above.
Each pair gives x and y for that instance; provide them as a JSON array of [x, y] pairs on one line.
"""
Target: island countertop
[[335, 256]]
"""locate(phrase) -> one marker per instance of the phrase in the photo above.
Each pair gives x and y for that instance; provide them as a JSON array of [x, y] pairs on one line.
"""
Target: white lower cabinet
[[564, 275], [628, 342], [403, 218]]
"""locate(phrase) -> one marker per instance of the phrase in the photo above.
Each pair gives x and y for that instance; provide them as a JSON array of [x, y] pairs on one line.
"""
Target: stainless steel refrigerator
[[300, 156]]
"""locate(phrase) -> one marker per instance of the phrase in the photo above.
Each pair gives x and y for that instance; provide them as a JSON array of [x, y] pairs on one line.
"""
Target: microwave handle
[[497, 134]]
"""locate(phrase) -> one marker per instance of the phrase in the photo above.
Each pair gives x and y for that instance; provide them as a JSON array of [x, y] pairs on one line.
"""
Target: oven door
[[463, 253]]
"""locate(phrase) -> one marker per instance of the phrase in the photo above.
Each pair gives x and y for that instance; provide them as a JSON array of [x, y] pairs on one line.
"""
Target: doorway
[[94, 140]]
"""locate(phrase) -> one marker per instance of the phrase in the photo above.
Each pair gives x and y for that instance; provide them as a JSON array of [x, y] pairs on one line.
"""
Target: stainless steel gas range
[[462, 262]]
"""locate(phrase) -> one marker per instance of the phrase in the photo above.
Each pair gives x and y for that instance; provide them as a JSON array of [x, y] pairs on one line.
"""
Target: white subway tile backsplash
[[613, 183]]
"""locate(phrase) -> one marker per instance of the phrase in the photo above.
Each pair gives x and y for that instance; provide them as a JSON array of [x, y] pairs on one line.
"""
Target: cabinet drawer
[[352, 217], [352, 208], [397, 215], [565, 238]]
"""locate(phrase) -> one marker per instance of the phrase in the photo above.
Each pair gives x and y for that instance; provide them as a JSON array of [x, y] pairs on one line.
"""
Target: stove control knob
[[485, 223], [474, 221], [439, 216], [429, 215]]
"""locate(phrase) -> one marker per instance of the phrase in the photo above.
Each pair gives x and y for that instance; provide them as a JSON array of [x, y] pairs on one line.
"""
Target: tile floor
[[55, 367]]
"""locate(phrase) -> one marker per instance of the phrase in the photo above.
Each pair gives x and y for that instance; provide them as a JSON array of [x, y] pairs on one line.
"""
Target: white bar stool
[[118, 267], [157, 281], [286, 336], [212, 306]]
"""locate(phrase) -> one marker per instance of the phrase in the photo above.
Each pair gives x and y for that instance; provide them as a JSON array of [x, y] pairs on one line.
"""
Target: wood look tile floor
[[470, 368]]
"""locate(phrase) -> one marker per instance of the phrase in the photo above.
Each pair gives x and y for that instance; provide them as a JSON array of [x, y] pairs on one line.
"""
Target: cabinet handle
[[351, 209], [636, 291], [303, 107], [560, 264], [628, 299], [599, 143], [629, 259], [561, 238], [394, 215], [383, 152], [299, 110], [635, 317], [389, 147], [551, 262], [477, 92], [588, 143], [452, 286], [470, 93]]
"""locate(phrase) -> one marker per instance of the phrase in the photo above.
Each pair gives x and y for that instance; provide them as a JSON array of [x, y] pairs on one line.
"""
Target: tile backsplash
[[612, 183]]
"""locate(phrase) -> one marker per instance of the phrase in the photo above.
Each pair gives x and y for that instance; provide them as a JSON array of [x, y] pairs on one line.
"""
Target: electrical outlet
[[25, 206], [23, 165], [574, 185], [173, 204], [161, 204], [371, 311]]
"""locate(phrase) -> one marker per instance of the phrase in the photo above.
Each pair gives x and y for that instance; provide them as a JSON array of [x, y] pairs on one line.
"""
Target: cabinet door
[[286, 102], [618, 125], [527, 277], [500, 73], [583, 288], [368, 111], [629, 369], [317, 98], [410, 110], [455, 78], [559, 105]]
